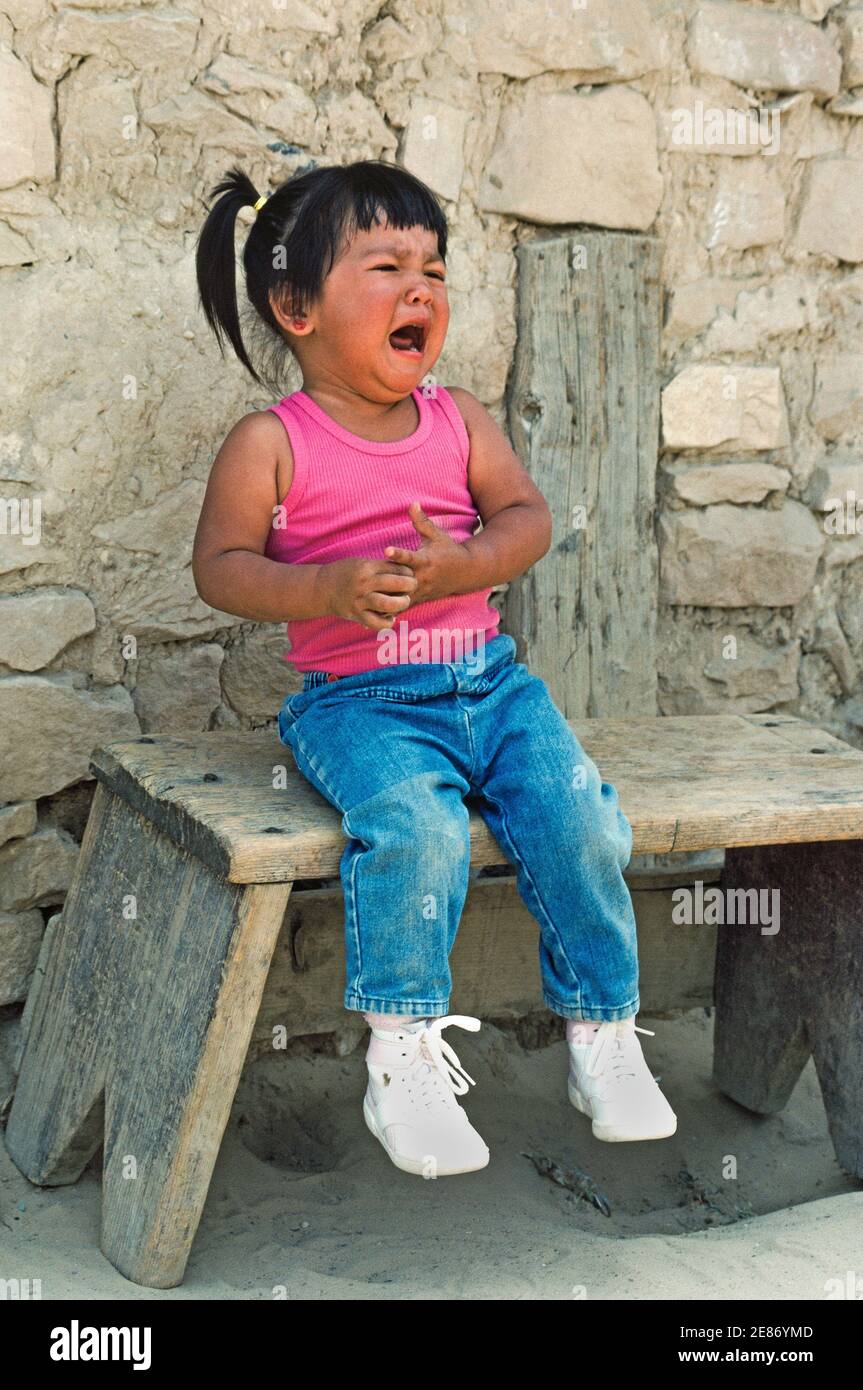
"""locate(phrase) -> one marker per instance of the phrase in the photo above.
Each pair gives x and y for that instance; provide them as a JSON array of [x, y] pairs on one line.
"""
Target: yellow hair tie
[[260, 203]]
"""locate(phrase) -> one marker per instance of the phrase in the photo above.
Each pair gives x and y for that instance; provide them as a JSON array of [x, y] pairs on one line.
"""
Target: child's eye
[[436, 273]]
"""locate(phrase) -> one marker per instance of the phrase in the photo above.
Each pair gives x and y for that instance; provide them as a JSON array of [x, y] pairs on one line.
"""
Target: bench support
[[147, 992], [799, 993], [150, 981]]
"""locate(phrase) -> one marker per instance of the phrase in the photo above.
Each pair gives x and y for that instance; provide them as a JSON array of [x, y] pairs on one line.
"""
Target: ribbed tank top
[[349, 496]]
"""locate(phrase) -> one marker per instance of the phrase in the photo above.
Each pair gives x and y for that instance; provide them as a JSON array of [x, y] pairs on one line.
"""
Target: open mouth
[[409, 339]]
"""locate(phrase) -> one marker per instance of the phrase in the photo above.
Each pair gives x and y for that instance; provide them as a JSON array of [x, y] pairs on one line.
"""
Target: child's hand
[[371, 592], [441, 565]]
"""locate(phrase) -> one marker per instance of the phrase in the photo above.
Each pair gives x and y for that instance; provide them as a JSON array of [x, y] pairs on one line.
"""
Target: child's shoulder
[[258, 441], [269, 431], [469, 408], [462, 398], [260, 427]]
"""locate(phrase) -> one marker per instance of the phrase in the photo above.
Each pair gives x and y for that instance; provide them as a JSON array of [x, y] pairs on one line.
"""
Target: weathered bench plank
[[686, 782]]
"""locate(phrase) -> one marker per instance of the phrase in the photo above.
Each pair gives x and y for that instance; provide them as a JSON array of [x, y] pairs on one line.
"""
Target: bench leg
[[798, 993], [144, 1019], [56, 1122]]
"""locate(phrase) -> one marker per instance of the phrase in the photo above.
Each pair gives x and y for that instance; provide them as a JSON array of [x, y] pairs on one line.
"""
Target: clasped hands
[[373, 592], [441, 566]]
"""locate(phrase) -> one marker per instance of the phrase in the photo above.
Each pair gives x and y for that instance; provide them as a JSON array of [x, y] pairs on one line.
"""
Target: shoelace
[[608, 1031], [441, 1055]]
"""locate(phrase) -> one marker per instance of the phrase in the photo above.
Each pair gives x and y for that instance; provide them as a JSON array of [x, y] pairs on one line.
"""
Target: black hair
[[295, 239]]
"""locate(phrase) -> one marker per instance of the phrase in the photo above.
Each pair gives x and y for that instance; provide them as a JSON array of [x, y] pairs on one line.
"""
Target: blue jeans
[[396, 750]]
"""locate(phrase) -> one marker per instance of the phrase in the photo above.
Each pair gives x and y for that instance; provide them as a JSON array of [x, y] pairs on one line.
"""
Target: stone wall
[[730, 130]]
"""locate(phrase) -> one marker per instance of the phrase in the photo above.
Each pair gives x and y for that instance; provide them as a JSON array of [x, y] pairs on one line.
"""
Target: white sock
[[391, 1022]]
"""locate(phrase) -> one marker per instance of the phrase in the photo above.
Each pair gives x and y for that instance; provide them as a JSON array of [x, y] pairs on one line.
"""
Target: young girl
[[349, 510]]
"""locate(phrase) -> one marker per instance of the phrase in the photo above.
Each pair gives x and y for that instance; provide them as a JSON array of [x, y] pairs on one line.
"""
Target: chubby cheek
[[434, 343], [440, 323], [368, 325], [439, 329], [360, 339]]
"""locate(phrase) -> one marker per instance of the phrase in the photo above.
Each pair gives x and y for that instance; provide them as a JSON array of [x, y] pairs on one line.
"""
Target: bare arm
[[230, 570], [517, 522], [251, 475], [509, 543]]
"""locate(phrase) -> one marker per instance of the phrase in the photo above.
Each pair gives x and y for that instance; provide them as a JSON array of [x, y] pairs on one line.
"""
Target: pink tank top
[[349, 497]]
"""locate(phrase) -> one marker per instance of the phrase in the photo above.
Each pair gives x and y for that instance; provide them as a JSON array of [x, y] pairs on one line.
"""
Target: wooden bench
[[151, 980]]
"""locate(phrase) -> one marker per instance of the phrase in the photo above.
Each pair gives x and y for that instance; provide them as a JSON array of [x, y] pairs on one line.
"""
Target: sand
[[304, 1199]]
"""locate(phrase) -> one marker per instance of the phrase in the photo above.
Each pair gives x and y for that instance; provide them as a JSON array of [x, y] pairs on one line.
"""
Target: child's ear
[[290, 319], [279, 305]]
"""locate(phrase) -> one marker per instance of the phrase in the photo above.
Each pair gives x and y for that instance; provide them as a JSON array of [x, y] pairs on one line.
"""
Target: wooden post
[[783, 996], [584, 418]]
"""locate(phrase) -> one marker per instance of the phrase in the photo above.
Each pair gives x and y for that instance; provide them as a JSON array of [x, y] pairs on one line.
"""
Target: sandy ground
[[304, 1197]]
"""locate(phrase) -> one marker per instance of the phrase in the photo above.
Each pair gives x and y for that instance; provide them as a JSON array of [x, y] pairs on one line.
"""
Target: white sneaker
[[409, 1104], [611, 1082]]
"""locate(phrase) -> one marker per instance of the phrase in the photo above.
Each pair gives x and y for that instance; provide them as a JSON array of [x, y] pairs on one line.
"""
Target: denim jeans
[[397, 750]]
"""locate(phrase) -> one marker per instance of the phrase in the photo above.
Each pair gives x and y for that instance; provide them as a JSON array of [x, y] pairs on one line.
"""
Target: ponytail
[[215, 262]]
